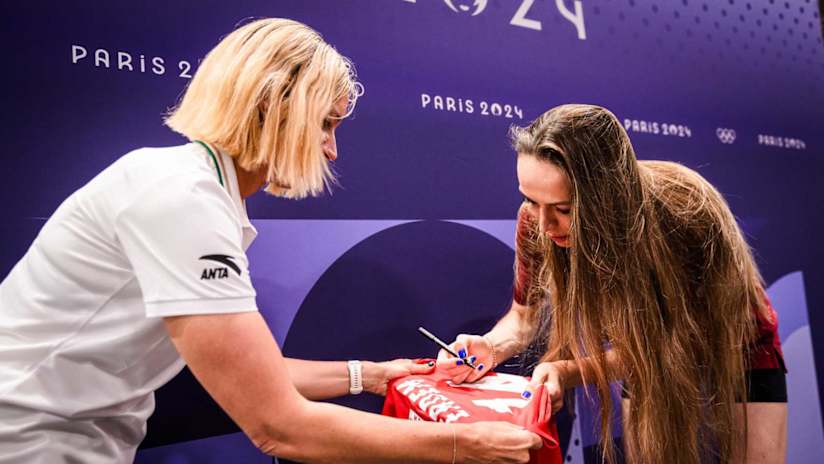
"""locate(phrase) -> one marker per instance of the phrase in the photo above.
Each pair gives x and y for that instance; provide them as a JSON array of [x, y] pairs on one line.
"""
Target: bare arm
[[321, 380], [237, 360], [573, 373], [557, 376], [510, 336]]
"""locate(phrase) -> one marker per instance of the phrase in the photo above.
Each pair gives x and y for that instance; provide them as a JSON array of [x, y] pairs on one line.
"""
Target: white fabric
[[82, 345]]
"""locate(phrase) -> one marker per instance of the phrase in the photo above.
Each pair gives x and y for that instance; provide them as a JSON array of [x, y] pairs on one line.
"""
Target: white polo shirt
[[82, 343]]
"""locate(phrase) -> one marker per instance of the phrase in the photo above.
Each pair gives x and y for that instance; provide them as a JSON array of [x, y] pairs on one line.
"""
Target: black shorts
[[763, 386]]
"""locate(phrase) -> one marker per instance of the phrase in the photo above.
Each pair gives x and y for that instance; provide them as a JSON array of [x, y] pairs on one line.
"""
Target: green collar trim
[[214, 160]]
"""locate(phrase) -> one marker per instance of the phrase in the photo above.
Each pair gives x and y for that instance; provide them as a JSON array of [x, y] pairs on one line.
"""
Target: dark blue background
[[753, 66]]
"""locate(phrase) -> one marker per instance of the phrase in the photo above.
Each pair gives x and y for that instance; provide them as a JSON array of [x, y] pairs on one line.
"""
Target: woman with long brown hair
[[637, 270]]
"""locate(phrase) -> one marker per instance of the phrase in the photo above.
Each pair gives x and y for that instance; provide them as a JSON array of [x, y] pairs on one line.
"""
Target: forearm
[[575, 373], [511, 335], [327, 433], [319, 380], [250, 380], [322, 380]]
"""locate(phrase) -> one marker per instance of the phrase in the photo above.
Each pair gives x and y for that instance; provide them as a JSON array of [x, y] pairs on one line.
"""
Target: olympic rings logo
[[725, 135]]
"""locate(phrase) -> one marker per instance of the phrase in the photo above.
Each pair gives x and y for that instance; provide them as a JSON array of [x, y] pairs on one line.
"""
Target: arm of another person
[[321, 380], [237, 360], [557, 376], [509, 337]]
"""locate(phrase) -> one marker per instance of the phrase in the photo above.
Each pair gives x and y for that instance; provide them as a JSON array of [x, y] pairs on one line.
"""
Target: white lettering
[[78, 53], [520, 18], [577, 19], [157, 66], [452, 417], [124, 60], [101, 56]]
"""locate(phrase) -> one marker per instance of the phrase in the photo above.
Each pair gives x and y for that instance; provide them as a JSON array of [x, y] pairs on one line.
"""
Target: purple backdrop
[[732, 88]]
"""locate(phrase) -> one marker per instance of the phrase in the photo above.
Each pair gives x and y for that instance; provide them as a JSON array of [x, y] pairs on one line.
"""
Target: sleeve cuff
[[194, 307]]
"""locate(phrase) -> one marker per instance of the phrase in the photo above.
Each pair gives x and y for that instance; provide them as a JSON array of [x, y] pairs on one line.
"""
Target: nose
[[330, 148], [547, 220]]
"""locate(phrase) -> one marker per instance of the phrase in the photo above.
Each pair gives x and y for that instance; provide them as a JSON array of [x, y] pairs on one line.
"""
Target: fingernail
[[459, 363], [480, 367], [462, 353], [472, 359], [527, 394], [430, 363]]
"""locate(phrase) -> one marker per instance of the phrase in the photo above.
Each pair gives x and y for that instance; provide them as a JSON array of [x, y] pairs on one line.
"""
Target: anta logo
[[219, 272]]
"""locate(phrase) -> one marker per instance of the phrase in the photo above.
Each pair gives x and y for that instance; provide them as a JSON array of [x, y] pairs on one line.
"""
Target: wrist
[[493, 352], [372, 376], [565, 370], [465, 437], [356, 377]]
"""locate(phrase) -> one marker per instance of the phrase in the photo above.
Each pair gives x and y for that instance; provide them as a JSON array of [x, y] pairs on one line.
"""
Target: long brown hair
[[658, 270]]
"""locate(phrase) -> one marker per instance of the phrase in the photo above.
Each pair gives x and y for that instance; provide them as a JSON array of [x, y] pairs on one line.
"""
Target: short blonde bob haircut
[[262, 95]]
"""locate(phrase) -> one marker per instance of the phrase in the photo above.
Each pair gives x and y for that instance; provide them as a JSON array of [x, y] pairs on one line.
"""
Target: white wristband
[[355, 377]]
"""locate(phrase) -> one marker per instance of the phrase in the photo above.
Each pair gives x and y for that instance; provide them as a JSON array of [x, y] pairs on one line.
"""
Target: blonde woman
[[144, 270], [637, 270]]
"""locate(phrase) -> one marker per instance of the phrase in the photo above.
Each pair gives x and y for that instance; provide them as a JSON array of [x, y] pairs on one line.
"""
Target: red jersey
[[496, 397]]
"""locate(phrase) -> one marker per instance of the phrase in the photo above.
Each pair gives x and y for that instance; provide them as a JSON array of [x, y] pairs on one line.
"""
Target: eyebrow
[[557, 203]]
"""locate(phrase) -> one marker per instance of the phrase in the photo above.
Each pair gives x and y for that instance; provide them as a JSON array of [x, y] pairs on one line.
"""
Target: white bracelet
[[355, 377]]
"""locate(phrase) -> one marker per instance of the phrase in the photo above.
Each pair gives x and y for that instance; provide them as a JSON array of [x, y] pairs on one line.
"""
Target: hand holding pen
[[467, 359]]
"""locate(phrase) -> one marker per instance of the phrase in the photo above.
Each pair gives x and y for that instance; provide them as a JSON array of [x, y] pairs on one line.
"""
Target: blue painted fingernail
[[462, 353], [472, 359], [480, 367], [527, 394], [459, 363]]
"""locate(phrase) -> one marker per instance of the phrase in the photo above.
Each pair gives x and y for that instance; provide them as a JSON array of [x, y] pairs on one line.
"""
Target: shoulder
[[170, 181]]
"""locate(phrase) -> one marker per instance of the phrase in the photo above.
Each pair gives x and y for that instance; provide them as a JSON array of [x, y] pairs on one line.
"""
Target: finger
[[450, 363], [539, 376], [417, 369], [479, 371], [460, 375], [444, 359], [535, 441], [453, 368], [557, 404], [459, 347]]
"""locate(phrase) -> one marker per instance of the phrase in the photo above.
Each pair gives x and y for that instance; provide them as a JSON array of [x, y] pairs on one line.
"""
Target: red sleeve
[[765, 352]]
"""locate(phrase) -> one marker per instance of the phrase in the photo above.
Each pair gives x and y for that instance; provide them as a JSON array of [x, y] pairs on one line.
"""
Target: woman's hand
[[494, 442], [478, 350], [551, 376], [376, 375]]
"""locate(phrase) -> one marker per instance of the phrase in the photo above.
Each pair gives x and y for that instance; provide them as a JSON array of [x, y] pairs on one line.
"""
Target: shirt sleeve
[[527, 258], [183, 239]]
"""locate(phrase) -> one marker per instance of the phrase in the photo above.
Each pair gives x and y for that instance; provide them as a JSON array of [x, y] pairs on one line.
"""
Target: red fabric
[[766, 352], [526, 263], [496, 397]]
